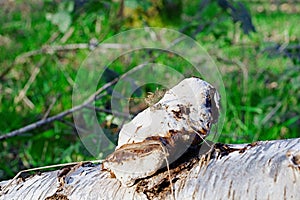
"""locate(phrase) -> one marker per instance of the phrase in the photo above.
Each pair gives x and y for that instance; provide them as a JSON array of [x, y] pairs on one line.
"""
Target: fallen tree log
[[263, 170], [162, 154]]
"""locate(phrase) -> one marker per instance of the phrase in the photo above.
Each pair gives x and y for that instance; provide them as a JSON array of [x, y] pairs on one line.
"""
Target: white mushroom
[[164, 131], [188, 106]]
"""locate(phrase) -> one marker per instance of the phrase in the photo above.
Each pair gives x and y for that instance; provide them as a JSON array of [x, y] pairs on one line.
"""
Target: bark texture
[[262, 170]]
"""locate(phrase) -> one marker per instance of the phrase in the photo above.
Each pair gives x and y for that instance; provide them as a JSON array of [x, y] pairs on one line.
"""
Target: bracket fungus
[[160, 134]]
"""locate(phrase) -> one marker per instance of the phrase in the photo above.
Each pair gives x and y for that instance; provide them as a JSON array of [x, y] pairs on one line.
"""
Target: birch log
[[172, 130], [264, 170]]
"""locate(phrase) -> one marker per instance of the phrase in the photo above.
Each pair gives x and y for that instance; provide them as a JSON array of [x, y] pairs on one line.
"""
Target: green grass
[[262, 91]]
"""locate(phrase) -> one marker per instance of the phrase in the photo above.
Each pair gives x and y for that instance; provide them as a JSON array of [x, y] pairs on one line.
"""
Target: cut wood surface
[[262, 170]]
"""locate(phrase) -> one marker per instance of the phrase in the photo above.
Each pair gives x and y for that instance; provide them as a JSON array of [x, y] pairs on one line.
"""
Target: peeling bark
[[263, 170]]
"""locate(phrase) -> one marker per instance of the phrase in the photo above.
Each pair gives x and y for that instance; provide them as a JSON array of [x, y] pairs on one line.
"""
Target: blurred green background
[[255, 44]]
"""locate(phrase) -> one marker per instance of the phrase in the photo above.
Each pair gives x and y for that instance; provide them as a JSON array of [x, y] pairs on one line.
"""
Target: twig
[[28, 102], [53, 101], [47, 49], [34, 73], [67, 35], [3, 74], [271, 113], [73, 125], [67, 112], [58, 116]]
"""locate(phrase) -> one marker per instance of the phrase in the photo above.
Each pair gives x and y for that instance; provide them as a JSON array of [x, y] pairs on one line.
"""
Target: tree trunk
[[262, 170]]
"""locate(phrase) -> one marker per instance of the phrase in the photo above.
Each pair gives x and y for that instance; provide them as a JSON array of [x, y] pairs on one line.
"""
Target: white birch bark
[[268, 170]]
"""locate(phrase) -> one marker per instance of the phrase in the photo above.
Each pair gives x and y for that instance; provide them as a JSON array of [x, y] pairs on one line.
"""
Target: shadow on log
[[263, 170]]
